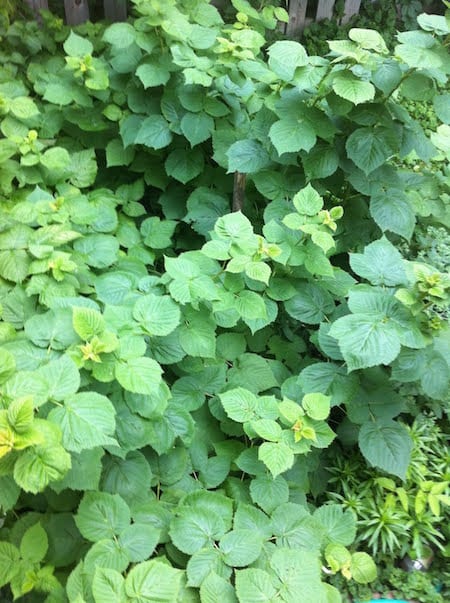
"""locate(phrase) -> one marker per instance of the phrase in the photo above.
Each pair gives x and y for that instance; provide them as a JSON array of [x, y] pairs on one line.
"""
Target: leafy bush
[[172, 371]]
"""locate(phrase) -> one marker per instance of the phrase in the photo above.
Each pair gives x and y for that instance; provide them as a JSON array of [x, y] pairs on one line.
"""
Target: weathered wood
[[351, 8], [77, 11], [297, 15], [325, 9], [115, 10], [36, 6], [239, 191]]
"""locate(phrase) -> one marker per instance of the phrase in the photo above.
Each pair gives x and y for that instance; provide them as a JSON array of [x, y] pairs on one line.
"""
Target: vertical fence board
[[115, 10], [36, 6], [77, 11], [325, 9], [351, 8], [297, 15]]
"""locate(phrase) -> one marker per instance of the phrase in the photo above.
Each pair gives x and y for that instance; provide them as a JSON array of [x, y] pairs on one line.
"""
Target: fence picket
[[115, 10], [297, 17], [325, 9], [351, 8], [77, 11]]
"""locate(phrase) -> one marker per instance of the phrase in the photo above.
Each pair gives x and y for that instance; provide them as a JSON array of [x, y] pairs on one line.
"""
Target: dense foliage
[[171, 371]]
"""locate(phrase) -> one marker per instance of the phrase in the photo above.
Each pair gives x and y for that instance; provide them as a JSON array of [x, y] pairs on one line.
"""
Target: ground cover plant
[[172, 371]]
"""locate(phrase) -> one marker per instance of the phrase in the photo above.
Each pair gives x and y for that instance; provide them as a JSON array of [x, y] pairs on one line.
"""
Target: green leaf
[[368, 39], [292, 135], [386, 445], [87, 420], [102, 515], [34, 544], [106, 553], [267, 429], [392, 211], [130, 477], [192, 529], [99, 250], [120, 35], [152, 74], [61, 377], [268, 493], [215, 588], [197, 334], [138, 375], [308, 201], [108, 585], [14, 265], [368, 148], [184, 165], [9, 562], [366, 340], [311, 305], [158, 233], [247, 156], [348, 86], [84, 473], [76, 46], [240, 404], [380, 263], [88, 322], [117, 154], [255, 586], [158, 315], [298, 571], [139, 541], [277, 457], [363, 568], [24, 108], [317, 406], [40, 465], [320, 162], [197, 127], [340, 524], [7, 365], [240, 547], [284, 58], [153, 581], [154, 132], [441, 105]]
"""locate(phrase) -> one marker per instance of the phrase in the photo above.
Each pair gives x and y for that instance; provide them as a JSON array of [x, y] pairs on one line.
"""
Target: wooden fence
[[77, 11]]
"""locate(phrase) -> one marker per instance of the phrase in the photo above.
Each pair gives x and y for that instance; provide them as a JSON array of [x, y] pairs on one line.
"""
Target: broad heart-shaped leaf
[[139, 541], [308, 201], [159, 315], [368, 148], [61, 377], [120, 35], [194, 528], [348, 86], [386, 445], [138, 375], [197, 127], [184, 165], [129, 477], [38, 466], [102, 515], [154, 132], [363, 568], [197, 334], [108, 585], [292, 135], [284, 58], [240, 547], [340, 524], [34, 544], [87, 420], [153, 581], [268, 493], [76, 46], [84, 473], [255, 586], [9, 562], [240, 404], [366, 339], [310, 305], [380, 263], [7, 365], [298, 571], [369, 39], [316, 405], [247, 156], [277, 457], [87, 322], [106, 553], [392, 211], [215, 588]]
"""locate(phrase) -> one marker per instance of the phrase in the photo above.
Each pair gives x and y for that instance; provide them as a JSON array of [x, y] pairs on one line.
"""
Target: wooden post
[[351, 8], [238, 191], [325, 10], [115, 10], [297, 16], [77, 11], [36, 6]]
